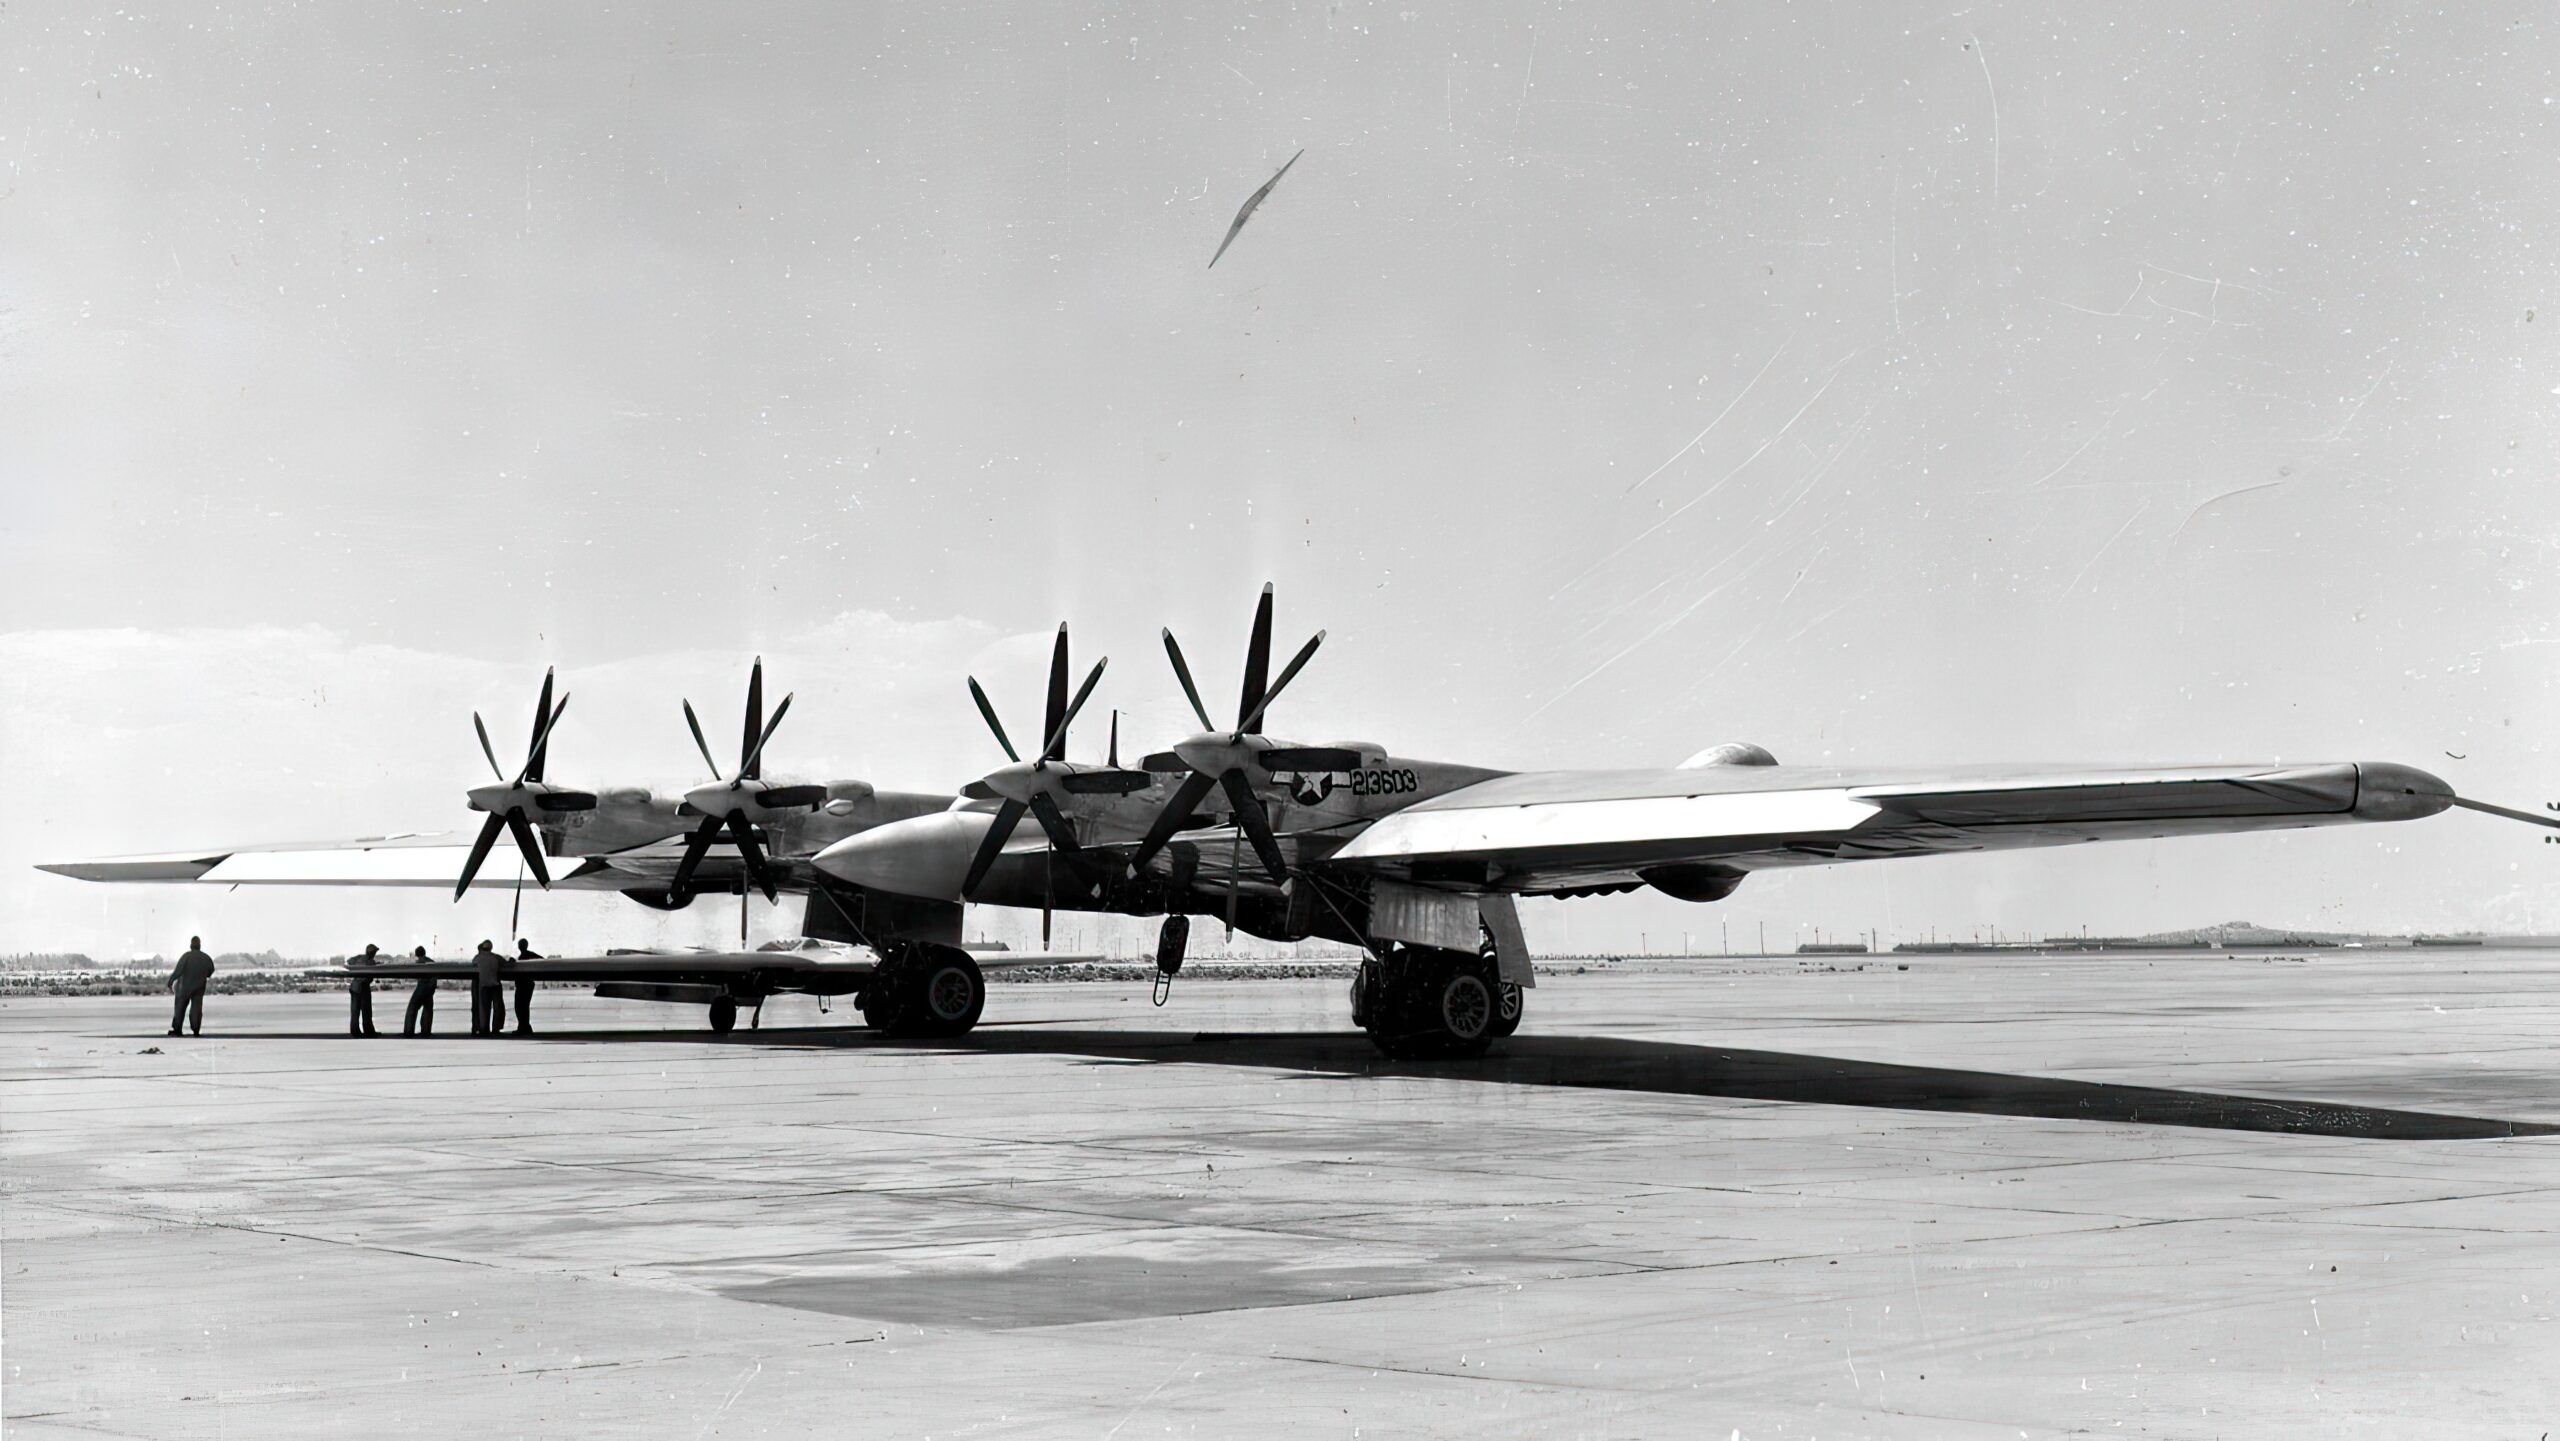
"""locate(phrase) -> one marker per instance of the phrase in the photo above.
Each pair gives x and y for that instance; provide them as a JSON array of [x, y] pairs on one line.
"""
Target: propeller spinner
[[1228, 760], [510, 802], [730, 803]]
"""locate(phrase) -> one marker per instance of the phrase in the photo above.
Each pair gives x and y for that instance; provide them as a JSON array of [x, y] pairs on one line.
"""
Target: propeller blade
[[1053, 719], [1106, 783], [479, 853], [1008, 816], [1257, 826], [755, 715], [699, 743], [1114, 757], [1252, 724], [1194, 789], [565, 801], [753, 766], [783, 798], [1056, 749], [1053, 820], [989, 711], [695, 846], [485, 750], [1304, 759], [534, 754], [536, 758], [532, 848], [1257, 661], [753, 854], [2527, 817], [1182, 673]]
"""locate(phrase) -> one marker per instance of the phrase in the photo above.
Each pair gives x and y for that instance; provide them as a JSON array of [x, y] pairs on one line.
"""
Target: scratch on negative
[[2102, 550], [735, 1392], [2103, 427], [2201, 506], [1686, 506], [1712, 424], [1985, 59], [1645, 639]]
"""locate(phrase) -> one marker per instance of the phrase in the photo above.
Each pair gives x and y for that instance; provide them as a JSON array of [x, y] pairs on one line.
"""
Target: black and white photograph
[[1755, 720]]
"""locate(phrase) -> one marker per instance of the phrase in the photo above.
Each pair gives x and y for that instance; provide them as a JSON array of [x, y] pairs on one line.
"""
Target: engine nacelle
[[1699, 882]]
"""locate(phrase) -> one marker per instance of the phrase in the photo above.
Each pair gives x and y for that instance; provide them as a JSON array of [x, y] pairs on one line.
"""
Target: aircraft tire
[[947, 992], [925, 991], [724, 1015], [883, 1002], [1435, 1005]]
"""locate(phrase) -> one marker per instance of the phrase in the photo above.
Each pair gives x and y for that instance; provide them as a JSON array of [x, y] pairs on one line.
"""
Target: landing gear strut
[[924, 990], [1418, 1003]]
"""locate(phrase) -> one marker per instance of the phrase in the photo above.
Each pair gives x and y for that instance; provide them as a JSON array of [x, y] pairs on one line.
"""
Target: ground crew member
[[524, 988], [488, 993], [186, 984], [420, 1018], [360, 993]]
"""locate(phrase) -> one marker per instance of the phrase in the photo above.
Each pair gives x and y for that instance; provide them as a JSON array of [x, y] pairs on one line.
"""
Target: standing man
[[420, 1018], [524, 987], [187, 983], [488, 991], [360, 992]]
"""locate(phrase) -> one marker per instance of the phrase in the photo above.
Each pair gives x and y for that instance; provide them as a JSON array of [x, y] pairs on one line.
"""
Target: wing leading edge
[[422, 861]]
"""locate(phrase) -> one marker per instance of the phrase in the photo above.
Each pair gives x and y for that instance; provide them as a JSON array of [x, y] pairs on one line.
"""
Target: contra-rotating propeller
[[508, 802], [1227, 760], [727, 803], [1032, 787]]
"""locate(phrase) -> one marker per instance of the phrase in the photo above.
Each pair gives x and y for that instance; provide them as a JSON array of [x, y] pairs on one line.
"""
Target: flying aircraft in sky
[[1420, 863]]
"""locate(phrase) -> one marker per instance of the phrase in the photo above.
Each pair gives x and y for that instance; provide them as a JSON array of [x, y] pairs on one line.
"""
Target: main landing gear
[[1418, 1003], [923, 990]]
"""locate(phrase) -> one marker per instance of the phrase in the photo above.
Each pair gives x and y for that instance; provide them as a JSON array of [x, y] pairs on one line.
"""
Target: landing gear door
[[1510, 947], [1443, 920]]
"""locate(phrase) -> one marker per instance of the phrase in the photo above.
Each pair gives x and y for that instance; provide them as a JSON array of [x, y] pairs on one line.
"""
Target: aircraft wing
[[428, 860], [1559, 831]]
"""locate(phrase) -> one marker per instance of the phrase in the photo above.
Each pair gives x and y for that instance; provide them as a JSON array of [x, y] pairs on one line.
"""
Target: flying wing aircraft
[[1420, 862]]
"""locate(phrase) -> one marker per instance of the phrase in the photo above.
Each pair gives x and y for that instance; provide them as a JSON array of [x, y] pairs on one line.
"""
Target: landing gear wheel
[[1433, 1004], [724, 1015], [1508, 1002], [925, 990], [950, 995]]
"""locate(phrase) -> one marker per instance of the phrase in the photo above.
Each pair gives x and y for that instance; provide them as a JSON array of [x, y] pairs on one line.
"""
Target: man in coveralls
[[187, 983], [360, 992], [488, 992], [420, 1018], [524, 988]]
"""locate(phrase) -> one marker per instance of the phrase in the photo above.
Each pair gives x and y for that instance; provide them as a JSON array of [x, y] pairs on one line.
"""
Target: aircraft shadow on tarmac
[[1671, 1068]]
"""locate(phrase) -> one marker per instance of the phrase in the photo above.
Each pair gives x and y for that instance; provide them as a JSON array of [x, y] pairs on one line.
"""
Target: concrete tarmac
[[1981, 1197]]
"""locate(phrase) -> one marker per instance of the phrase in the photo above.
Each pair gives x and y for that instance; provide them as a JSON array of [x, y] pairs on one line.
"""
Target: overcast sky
[[2172, 383]]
